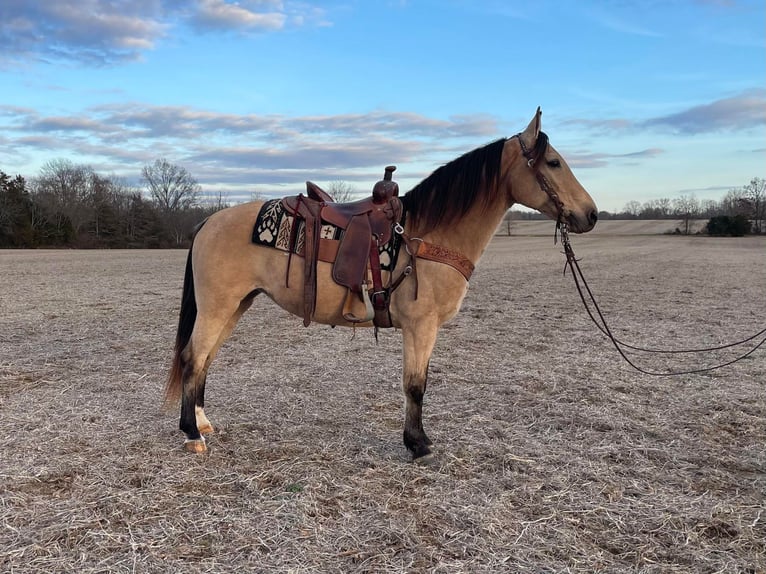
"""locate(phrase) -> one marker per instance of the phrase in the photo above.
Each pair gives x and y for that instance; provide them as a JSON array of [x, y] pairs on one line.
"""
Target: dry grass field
[[553, 455]]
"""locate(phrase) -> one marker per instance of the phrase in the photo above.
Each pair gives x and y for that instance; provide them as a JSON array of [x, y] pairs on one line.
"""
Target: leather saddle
[[366, 225]]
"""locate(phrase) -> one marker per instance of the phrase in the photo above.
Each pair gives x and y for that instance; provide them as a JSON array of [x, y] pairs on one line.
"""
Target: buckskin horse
[[454, 211]]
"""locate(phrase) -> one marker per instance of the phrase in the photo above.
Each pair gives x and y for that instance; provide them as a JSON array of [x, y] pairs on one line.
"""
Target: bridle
[[533, 156]]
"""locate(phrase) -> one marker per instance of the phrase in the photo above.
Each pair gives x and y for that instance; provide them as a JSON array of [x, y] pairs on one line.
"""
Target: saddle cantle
[[366, 225]]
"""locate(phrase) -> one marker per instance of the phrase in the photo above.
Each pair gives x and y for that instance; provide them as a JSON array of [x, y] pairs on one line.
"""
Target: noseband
[[532, 156]]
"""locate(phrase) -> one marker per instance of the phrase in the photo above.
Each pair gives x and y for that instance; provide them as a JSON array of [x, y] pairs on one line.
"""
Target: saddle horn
[[386, 188]]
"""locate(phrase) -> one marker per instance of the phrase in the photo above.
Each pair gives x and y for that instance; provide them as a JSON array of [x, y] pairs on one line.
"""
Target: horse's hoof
[[206, 429], [195, 446], [428, 460]]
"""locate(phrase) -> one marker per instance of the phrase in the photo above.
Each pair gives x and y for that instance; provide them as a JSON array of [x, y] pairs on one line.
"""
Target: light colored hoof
[[195, 446], [206, 429]]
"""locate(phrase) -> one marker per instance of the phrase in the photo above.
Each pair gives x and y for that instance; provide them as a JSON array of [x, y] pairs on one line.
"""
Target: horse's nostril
[[593, 217]]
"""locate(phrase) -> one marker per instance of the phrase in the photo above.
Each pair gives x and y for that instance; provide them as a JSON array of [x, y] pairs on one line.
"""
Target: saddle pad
[[273, 227]]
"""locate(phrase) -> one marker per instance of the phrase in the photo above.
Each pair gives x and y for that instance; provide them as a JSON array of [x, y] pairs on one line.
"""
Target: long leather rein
[[596, 315]]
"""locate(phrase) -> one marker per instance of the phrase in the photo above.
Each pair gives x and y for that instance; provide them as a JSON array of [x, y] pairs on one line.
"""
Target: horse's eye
[[554, 163]]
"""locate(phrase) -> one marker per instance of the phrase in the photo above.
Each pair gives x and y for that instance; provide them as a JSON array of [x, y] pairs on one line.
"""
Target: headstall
[[532, 156]]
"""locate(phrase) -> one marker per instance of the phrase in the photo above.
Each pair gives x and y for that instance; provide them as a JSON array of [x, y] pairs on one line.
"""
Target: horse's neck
[[472, 233]]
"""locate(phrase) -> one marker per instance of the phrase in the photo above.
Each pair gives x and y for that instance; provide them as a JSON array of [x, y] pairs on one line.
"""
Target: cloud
[[601, 125], [595, 160], [110, 32], [650, 152], [231, 148], [313, 156], [133, 120], [735, 113], [407, 123], [66, 124], [717, 3], [741, 112], [222, 15], [97, 32], [622, 26]]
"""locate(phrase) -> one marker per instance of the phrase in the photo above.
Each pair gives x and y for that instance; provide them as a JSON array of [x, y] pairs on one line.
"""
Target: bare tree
[[687, 208], [170, 186], [174, 192], [215, 202], [101, 203], [755, 195], [663, 204], [734, 203], [633, 209], [256, 195], [709, 208], [507, 222], [64, 189], [341, 191]]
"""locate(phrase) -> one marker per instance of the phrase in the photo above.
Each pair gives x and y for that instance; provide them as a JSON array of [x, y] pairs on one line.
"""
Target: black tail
[[186, 320]]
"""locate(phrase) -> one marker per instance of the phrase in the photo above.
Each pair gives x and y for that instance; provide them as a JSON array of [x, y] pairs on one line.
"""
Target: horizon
[[260, 96]]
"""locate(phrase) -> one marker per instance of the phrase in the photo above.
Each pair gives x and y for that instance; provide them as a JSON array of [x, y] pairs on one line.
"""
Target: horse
[[456, 209]]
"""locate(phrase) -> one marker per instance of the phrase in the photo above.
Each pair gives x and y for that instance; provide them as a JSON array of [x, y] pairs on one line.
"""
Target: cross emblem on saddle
[[366, 225]]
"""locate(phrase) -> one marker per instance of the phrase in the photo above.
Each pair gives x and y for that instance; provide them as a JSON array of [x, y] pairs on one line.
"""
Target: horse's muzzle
[[583, 222]]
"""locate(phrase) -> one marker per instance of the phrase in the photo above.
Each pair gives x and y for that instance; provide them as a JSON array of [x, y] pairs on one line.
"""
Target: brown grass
[[553, 455]]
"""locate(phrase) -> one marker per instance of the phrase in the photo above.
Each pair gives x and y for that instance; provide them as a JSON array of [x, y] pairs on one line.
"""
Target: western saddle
[[366, 225]]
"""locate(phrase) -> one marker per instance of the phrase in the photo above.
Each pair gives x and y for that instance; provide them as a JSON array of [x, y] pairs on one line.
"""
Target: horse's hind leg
[[203, 424], [419, 341], [210, 331]]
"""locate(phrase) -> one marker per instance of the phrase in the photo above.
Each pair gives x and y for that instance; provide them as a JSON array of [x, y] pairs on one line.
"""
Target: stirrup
[[369, 311]]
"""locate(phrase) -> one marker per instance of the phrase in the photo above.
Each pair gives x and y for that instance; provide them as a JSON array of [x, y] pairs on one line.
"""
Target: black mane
[[451, 190]]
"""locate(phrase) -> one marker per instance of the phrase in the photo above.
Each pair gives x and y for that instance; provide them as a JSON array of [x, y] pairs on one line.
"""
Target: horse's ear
[[533, 129], [538, 121]]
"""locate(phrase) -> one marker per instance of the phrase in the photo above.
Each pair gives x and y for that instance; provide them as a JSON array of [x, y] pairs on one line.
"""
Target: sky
[[645, 99]]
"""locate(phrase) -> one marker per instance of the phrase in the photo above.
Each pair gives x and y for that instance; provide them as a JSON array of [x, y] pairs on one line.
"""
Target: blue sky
[[645, 99]]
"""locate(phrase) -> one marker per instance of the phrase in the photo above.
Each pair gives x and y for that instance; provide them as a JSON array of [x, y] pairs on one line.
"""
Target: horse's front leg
[[419, 340]]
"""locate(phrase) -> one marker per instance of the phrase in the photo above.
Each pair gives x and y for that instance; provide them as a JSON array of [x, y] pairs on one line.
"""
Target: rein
[[601, 324], [532, 156]]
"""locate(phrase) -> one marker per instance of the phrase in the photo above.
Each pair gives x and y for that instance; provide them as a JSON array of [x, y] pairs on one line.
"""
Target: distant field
[[553, 455], [608, 227]]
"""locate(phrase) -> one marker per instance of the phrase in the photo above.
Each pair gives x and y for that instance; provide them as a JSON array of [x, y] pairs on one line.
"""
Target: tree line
[[740, 212], [747, 202], [70, 205]]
